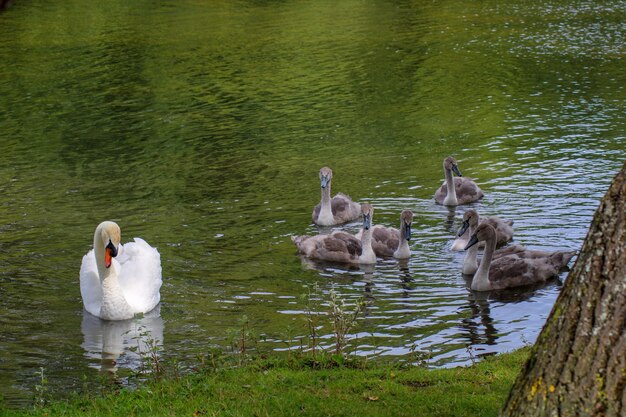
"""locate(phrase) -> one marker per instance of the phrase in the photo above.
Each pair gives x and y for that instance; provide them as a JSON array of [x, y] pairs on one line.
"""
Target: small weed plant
[[149, 350], [343, 319], [41, 389]]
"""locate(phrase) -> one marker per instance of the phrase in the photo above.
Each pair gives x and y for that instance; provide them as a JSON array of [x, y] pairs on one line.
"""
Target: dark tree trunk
[[4, 4], [578, 365]]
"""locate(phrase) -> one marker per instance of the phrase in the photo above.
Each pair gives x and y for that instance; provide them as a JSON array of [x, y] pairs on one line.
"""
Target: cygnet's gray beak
[[367, 221], [473, 240], [463, 228]]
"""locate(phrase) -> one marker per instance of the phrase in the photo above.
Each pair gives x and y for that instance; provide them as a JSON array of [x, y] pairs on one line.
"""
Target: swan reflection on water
[[121, 343], [480, 328]]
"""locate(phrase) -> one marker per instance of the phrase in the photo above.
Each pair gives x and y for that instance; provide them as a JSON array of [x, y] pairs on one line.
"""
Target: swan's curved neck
[[114, 305], [403, 250], [470, 263], [99, 251], [367, 253], [326, 212], [450, 199], [481, 277]]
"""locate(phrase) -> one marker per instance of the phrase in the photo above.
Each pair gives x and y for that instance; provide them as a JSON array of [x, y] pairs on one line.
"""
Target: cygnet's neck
[[481, 282], [326, 217], [450, 199], [403, 250], [367, 253], [470, 263]]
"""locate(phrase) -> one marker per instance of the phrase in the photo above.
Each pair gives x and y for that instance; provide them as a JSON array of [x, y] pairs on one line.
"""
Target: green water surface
[[200, 126]]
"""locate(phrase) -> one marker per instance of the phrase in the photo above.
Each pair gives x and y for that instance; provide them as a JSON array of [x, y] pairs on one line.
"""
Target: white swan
[[389, 241], [523, 267], [341, 246], [118, 281], [471, 219], [340, 209], [459, 190]]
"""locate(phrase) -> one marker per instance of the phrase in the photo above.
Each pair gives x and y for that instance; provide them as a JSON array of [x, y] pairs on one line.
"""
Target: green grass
[[280, 388]]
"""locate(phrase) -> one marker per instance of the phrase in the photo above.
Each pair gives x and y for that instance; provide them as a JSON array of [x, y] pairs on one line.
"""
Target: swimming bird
[[118, 281], [338, 210], [459, 190], [389, 241], [471, 219], [471, 261], [512, 270], [340, 246]]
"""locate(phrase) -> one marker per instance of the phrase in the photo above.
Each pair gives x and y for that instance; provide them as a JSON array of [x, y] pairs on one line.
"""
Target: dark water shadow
[[479, 327]]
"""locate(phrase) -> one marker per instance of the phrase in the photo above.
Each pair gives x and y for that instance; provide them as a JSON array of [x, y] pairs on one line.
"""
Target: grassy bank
[[280, 388]]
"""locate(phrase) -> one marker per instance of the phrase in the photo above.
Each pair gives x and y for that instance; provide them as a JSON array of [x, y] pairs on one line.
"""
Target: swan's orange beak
[[107, 257], [110, 252]]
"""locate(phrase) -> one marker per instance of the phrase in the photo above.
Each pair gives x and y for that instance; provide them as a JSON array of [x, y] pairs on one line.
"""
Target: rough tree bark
[[4, 4], [578, 364]]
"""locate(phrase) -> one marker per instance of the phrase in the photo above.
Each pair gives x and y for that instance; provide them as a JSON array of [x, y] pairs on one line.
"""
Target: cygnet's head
[[450, 164], [470, 218], [483, 232], [407, 220], [368, 211], [326, 174]]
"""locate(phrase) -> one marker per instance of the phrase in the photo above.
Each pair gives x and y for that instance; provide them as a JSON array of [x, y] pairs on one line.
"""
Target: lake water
[[201, 127]]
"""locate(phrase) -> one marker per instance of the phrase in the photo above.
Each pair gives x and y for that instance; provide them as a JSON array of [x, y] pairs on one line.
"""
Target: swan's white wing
[[140, 275], [90, 287]]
